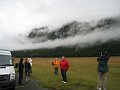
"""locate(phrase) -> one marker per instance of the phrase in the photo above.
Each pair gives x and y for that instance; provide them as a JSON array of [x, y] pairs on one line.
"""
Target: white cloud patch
[[21, 42]]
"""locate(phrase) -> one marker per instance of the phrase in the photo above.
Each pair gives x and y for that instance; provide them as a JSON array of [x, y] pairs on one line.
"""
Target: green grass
[[82, 74]]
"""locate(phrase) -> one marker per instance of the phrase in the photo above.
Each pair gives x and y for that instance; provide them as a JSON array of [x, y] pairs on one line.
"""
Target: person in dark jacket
[[64, 66], [20, 70], [27, 69], [102, 70]]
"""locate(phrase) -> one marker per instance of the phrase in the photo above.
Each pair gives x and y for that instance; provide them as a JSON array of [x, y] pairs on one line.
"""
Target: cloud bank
[[19, 17]]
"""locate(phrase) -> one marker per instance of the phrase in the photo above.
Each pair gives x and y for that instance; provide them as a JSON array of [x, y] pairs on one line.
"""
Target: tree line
[[112, 47]]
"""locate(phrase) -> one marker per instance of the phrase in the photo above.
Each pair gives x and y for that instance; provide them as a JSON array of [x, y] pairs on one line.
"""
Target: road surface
[[29, 85]]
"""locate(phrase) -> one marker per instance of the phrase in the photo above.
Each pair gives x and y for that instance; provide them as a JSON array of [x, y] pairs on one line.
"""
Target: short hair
[[106, 53], [21, 59]]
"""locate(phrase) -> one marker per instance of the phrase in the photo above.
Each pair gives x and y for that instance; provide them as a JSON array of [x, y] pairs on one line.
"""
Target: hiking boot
[[104, 89], [65, 82], [26, 79], [99, 88]]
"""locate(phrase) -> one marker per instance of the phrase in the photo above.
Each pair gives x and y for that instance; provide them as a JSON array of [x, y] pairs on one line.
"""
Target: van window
[[5, 60]]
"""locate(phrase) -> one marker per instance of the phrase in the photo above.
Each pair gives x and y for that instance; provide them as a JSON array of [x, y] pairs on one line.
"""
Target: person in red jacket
[[64, 66]]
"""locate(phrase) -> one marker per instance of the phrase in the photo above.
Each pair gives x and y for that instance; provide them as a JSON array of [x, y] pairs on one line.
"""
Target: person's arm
[[23, 65], [98, 59], [67, 65], [60, 65]]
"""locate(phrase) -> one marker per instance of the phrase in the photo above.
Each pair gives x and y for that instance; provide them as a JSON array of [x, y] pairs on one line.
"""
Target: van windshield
[[5, 60]]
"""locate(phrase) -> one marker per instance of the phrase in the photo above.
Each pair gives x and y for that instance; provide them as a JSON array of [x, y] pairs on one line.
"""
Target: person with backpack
[[30, 61], [27, 70], [102, 70], [55, 63]]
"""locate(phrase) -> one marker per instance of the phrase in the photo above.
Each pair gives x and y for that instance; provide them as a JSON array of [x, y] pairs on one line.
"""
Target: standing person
[[27, 70], [20, 70], [102, 70], [64, 66], [30, 61], [55, 63]]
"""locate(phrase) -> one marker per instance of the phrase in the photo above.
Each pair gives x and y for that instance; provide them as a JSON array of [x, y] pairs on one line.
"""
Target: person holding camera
[[102, 70]]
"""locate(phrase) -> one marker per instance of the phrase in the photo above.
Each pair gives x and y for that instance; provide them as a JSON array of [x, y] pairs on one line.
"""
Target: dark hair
[[21, 59], [106, 53]]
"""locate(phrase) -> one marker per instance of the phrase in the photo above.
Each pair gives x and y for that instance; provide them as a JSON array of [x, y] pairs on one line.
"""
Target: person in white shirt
[[30, 61]]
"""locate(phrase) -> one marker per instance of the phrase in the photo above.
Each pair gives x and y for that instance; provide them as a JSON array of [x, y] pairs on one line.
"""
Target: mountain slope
[[112, 47], [75, 39], [73, 29]]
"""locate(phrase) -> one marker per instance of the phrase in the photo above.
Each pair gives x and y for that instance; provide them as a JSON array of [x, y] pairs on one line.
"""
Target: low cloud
[[19, 17], [22, 42]]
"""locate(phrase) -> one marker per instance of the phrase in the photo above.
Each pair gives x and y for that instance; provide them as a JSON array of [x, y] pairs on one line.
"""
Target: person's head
[[56, 58], [63, 58], [27, 60], [21, 59], [106, 53]]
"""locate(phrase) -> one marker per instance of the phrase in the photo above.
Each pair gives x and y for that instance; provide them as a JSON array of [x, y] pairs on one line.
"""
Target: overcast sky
[[21, 16]]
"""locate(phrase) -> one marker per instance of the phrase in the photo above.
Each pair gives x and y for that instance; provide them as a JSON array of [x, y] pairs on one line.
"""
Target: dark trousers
[[64, 76], [31, 69], [56, 70], [27, 73], [20, 77]]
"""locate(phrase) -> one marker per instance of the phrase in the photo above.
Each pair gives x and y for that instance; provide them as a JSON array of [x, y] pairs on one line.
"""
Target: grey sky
[[21, 16]]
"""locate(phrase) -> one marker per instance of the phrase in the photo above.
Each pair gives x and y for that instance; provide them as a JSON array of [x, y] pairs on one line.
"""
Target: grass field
[[82, 74]]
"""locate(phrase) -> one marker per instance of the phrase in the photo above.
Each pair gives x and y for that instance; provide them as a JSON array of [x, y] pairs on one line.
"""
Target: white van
[[7, 71]]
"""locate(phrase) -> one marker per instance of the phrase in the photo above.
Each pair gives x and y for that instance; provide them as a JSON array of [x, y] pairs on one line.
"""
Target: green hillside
[[112, 47]]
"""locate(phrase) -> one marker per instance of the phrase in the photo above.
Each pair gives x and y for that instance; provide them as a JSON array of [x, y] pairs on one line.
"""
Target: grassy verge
[[82, 74]]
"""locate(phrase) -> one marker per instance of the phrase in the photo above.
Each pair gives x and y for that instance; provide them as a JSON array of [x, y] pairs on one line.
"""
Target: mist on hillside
[[86, 33]]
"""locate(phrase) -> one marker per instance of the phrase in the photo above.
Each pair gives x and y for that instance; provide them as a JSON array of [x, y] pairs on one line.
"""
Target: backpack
[[52, 63]]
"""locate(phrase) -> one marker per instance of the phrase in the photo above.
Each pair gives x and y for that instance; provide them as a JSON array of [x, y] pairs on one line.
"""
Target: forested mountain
[[112, 47], [71, 30]]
